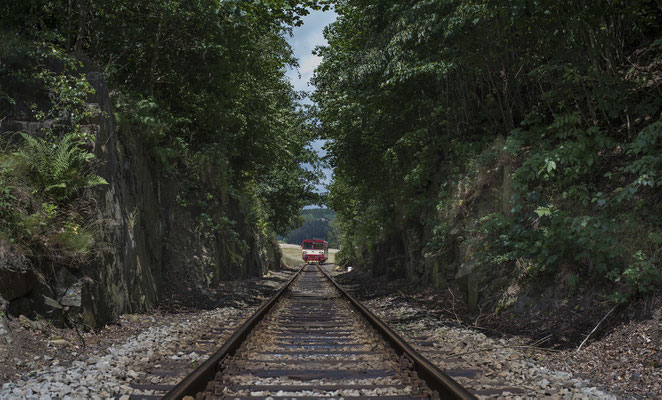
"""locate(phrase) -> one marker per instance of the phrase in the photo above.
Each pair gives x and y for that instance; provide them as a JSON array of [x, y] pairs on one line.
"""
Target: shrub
[[42, 177], [73, 241], [6, 196], [59, 169], [641, 275], [549, 238]]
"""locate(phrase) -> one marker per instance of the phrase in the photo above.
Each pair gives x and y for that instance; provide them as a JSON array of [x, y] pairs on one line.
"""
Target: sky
[[304, 39]]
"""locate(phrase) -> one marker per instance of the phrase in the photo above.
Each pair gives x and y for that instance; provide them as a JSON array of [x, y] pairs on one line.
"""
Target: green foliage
[[234, 112], [549, 239], [200, 84], [58, 169], [7, 198], [641, 275], [410, 96], [73, 241], [68, 94], [645, 153], [43, 174], [317, 224]]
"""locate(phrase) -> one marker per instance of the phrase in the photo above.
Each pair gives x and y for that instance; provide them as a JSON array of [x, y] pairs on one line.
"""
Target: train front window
[[318, 246], [307, 245]]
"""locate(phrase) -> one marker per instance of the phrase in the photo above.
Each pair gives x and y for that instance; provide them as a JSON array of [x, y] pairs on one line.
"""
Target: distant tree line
[[317, 224]]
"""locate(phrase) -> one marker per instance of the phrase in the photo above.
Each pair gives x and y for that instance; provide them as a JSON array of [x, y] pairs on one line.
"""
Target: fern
[[59, 168]]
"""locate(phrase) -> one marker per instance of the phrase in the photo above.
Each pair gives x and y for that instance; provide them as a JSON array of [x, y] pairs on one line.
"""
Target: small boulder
[[16, 277], [69, 289], [30, 324]]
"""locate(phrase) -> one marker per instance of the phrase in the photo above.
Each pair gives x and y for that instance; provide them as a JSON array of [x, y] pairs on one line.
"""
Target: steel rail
[[435, 378], [197, 380]]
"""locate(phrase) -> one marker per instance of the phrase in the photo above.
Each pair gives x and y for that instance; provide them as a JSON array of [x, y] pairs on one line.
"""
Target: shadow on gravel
[[553, 322], [185, 296]]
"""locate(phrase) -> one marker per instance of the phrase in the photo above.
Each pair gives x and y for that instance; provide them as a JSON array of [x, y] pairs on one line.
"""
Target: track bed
[[313, 343]]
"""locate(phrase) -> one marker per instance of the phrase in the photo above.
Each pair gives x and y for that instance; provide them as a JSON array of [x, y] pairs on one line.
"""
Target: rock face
[[16, 276], [148, 237], [401, 251], [24, 287], [154, 239]]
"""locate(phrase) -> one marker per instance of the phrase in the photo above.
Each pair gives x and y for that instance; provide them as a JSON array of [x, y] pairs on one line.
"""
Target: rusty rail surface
[[197, 380], [435, 379]]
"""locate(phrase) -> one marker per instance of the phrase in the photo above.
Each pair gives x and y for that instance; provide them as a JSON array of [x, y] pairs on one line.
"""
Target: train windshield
[[307, 245], [318, 246]]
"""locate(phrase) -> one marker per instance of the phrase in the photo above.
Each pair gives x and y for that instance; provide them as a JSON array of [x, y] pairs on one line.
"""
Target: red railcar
[[314, 250]]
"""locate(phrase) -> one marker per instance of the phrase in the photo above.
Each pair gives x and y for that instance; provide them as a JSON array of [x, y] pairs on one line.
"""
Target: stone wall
[[147, 237]]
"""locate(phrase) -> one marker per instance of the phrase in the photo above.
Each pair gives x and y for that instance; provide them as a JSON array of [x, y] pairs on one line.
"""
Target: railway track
[[313, 340]]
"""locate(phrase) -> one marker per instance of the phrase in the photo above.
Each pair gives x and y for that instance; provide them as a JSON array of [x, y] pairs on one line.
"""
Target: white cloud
[[309, 63], [304, 40]]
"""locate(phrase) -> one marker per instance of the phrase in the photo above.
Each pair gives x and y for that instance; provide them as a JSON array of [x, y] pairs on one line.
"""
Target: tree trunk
[[82, 8], [155, 55]]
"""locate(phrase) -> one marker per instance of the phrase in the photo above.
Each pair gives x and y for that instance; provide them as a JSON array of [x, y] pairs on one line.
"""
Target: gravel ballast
[[492, 368], [507, 366], [492, 363], [109, 373], [171, 343]]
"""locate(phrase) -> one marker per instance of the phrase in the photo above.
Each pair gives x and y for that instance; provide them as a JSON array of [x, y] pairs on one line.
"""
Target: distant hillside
[[318, 224]]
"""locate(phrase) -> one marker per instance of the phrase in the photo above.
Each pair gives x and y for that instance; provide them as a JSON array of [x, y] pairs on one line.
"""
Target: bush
[[43, 176], [73, 241], [641, 276], [59, 169], [549, 238], [6, 196]]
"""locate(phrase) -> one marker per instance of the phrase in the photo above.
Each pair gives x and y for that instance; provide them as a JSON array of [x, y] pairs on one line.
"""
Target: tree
[[415, 98]]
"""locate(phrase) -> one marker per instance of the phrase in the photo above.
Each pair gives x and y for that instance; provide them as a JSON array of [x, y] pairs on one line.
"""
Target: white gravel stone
[[497, 358], [104, 374]]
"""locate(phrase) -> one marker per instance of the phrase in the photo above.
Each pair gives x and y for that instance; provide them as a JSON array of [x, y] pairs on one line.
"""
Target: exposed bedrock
[[147, 237], [401, 251]]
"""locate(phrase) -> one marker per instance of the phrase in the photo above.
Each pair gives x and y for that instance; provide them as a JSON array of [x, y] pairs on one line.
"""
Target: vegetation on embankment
[[497, 142], [291, 255], [181, 160]]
